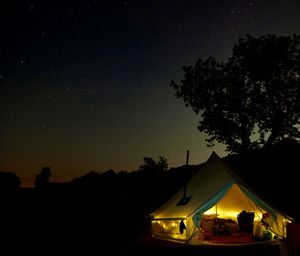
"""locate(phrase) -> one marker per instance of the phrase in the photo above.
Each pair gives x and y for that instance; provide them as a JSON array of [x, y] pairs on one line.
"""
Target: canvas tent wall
[[214, 188]]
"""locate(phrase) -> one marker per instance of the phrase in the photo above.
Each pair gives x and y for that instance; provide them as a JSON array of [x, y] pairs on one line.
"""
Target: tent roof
[[210, 179], [213, 176]]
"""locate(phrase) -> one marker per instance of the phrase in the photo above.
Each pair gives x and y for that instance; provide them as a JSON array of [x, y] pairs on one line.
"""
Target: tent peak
[[214, 156]]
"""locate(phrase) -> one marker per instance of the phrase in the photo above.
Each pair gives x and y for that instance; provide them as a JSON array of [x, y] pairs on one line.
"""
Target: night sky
[[84, 85]]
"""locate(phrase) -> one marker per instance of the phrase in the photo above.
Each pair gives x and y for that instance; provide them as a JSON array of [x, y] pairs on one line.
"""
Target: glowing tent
[[211, 204]]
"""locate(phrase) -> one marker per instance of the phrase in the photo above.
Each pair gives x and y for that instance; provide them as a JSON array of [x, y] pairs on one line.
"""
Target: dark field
[[34, 224]]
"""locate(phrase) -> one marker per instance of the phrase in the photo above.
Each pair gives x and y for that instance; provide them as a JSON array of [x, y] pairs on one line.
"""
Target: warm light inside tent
[[234, 202], [231, 214], [169, 228]]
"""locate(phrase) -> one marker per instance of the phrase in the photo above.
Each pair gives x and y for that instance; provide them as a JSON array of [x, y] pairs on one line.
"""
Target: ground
[[35, 225]]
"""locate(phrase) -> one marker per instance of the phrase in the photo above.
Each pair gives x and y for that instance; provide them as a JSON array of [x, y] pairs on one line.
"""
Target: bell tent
[[216, 203]]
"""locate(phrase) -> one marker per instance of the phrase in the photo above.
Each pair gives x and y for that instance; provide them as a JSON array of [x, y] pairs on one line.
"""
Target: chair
[[245, 221]]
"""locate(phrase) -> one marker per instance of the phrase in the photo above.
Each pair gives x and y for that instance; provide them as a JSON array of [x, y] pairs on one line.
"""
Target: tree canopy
[[9, 181], [42, 179], [151, 165], [253, 99]]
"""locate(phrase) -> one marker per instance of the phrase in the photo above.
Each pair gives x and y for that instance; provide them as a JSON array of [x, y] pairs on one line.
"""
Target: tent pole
[[187, 157], [217, 228], [186, 164]]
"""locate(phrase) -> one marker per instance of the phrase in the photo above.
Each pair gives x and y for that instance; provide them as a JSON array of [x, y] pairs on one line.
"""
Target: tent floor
[[234, 238]]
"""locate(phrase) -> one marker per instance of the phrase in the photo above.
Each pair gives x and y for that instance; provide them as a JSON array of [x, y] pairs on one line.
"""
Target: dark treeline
[[109, 209], [90, 213]]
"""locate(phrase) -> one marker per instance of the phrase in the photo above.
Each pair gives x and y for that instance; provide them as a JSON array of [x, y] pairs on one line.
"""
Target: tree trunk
[[245, 142], [245, 136], [273, 136]]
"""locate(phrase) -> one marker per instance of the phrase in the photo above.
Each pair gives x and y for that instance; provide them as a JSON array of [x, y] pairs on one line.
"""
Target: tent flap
[[209, 204]]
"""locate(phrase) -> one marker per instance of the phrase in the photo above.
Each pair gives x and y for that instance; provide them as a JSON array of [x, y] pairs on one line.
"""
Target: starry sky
[[85, 84]]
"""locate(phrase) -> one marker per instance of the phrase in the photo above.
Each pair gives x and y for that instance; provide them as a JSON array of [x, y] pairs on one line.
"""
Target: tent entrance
[[241, 229], [215, 229], [234, 219]]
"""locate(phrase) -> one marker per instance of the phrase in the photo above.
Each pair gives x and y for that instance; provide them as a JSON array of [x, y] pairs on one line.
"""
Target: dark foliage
[[9, 181], [253, 99], [151, 165], [42, 179]]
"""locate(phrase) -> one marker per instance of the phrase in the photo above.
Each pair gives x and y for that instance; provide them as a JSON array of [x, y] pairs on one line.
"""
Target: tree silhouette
[[42, 179], [162, 163], [152, 166], [9, 181], [253, 99]]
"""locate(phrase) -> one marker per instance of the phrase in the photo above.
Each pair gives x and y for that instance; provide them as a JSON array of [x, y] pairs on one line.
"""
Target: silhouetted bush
[[9, 181], [42, 179]]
